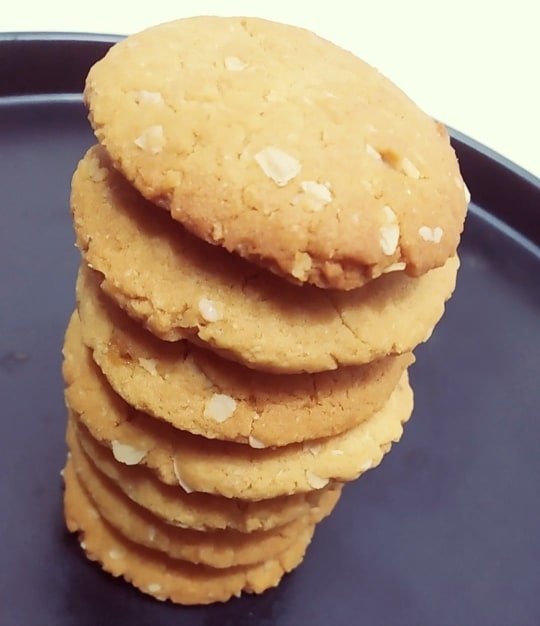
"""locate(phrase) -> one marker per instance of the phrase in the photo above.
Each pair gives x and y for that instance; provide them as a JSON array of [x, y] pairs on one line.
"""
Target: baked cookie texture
[[219, 548], [179, 287], [196, 391], [291, 153], [261, 252], [193, 510], [223, 468], [161, 576]]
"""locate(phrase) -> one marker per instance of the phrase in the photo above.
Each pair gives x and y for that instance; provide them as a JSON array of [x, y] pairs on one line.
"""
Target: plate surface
[[444, 533]]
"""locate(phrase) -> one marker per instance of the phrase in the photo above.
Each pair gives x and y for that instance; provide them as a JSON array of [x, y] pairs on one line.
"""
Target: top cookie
[[281, 147]]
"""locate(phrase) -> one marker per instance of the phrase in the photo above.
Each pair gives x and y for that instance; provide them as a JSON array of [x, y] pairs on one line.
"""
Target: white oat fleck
[[234, 64], [278, 165], [208, 310], [153, 97], [220, 407], [389, 233], [394, 267], [126, 454], [373, 153], [151, 533], [467, 193], [337, 452], [318, 195], [116, 554], [149, 365], [154, 587], [409, 168], [315, 481], [217, 231], [151, 140], [367, 465], [431, 234], [302, 265], [256, 443], [187, 488], [313, 449], [83, 545]]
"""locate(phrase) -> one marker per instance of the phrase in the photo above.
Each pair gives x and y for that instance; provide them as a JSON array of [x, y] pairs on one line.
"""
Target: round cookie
[[223, 468], [200, 511], [291, 152], [162, 577], [218, 549], [180, 287], [197, 391]]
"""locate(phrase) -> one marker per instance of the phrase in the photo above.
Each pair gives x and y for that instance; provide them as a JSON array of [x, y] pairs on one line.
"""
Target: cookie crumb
[[315, 481], [277, 165], [187, 488], [431, 234], [151, 140], [126, 454], [220, 407], [234, 64], [302, 265], [209, 310], [318, 195], [256, 443]]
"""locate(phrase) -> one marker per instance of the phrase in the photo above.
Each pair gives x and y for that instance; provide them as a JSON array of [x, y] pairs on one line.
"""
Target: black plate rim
[[506, 192]]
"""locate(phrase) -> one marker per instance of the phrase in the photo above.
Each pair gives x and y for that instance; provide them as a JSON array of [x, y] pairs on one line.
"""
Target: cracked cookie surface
[[180, 287], [292, 152], [202, 393], [223, 468]]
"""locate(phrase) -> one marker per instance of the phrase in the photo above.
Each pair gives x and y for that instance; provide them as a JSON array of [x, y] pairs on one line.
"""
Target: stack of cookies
[[268, 228]]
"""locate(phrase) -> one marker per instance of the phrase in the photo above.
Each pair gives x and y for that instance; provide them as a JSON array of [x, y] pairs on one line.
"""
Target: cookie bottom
[[160, 576]]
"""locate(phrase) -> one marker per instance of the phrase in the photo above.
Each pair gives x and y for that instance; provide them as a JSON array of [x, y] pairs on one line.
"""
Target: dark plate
[[445, 533]]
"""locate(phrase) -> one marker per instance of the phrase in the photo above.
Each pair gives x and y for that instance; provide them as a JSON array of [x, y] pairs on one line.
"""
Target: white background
[[475, 64]]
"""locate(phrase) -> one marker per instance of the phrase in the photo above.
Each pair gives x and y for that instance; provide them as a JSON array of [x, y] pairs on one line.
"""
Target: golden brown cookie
[[179, 287], [197, 391], [280, 146], [201, 511], [163, 577], [224, 468], [222, 548]]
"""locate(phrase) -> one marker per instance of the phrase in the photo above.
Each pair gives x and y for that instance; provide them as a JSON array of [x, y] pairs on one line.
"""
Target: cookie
[[179, 287], [291, 152], [202, 393], [160, 576], [218, 549], [224, 468], [200, 511]]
